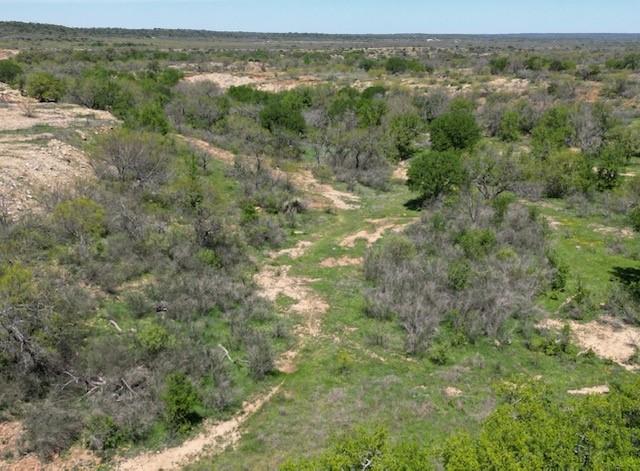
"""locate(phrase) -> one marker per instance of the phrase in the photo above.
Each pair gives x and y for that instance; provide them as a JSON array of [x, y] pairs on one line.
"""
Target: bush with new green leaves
[[476, 243], [553, 132], [433, 174], [403, 130], [45, 87], [566, 172], [182, 404], [498, 64], [283, 113], [509, 128], [455, 130], [80, 217], [16, 283], [153, 337], [634, 218], [399, 65], [10, 71], [609, 162]]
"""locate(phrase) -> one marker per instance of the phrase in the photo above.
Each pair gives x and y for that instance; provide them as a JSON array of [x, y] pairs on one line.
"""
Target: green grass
[[589, 254], [356, 373]]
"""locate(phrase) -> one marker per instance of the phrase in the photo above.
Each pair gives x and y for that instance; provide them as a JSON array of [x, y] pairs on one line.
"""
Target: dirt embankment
[[33, 157], [76, 459], [8, 53]]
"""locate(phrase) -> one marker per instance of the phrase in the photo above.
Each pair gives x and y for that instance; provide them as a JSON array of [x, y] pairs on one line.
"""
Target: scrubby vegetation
[[467, 264], [483, 185], [527, 431]]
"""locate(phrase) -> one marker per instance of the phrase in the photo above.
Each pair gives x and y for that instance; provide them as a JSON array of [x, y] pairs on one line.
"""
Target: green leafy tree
[[10, 71], [181, 402], [565, 172], [403, 130], [456, 129], [552, 132], [634, 218], [283, 114], [16, 283], [150, 117], [396, 65], [45, 87], [509, 129], [80, 217], [609, 163], [498, 64], [370, 112], [436, 173]]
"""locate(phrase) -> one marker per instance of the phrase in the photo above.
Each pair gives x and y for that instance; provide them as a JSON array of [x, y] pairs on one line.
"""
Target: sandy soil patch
[[371, 236], [608, 338], [553, 223], [452, 392], [33, 161], [275, 281], [280, 85], [223, 80], [592, 391], [293, 252], [265, 81], [214, 438], [401, 171], [323, 193], [591, 93], [341, 262], [8, 53], [624, 232], [509, 85], [12, 113], [29, 166]]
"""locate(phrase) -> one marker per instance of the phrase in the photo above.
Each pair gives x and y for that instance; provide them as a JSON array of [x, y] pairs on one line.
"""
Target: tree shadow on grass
[[415, 204], [626, 275]]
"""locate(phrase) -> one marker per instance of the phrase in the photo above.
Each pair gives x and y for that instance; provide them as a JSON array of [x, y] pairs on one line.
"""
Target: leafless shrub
[[461, 265], [433, 105], [128, 156], [197, 105], [259, 356], [27, 108], [51, 428]]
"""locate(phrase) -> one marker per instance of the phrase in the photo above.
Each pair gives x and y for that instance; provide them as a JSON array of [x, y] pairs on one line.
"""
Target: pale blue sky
[[339, 16]]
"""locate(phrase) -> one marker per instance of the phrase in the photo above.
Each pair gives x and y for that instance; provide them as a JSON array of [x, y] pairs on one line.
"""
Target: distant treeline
[[21, 30]]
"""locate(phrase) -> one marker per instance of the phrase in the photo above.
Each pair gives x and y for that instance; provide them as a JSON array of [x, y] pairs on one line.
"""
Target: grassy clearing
[[592, 247], [356, 373]]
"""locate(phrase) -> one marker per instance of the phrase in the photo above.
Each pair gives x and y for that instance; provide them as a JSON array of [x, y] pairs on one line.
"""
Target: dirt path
[[370, 236], [590, 391], [214, 438], [217, 153], [273, 281], [319, 195], [321, 192]]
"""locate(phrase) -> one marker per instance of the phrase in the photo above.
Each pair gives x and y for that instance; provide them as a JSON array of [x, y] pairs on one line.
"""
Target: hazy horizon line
[[224, 31]]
